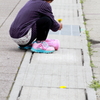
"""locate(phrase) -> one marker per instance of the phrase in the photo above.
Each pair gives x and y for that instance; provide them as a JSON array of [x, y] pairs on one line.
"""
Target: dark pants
[[43, 25]]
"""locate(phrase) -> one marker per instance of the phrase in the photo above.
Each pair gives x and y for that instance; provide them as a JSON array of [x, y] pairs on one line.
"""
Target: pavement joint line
[[19, 95], [10, 13], [31, 57], [51, 87], [16, 75], [67, 91], [82, 53], [20, 92]]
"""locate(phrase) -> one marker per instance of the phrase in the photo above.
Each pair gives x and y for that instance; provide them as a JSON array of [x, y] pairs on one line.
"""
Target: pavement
[[64, 74], [92, 15]]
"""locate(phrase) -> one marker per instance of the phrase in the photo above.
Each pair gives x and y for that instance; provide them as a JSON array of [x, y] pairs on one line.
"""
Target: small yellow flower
[[63, 87], [59, 20]]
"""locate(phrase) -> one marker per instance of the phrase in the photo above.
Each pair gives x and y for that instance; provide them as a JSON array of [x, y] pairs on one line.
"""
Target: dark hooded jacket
[[27, 17]]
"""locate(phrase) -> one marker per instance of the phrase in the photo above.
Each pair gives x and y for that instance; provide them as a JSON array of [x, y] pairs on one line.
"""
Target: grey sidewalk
[[10, 56], [92, 14], [41, 75]]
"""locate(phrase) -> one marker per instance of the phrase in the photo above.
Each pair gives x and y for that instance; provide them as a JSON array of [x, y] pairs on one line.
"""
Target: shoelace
[[44, 44]]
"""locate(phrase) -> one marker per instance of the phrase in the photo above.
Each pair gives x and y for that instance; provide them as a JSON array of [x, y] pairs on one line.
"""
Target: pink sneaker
[[42, 47], [53, 43]]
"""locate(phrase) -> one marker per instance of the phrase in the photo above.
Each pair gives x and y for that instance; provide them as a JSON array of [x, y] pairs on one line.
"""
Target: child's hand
[[60, 26], [59, 20]]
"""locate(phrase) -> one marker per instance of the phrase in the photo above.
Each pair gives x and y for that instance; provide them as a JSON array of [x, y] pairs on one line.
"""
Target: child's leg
[[43, 25]]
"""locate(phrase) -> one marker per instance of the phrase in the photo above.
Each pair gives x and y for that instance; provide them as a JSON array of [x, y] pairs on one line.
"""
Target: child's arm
[[46, 10]]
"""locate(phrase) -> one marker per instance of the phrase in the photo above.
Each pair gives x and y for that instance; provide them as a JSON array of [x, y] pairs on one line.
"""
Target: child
[[33, 23]]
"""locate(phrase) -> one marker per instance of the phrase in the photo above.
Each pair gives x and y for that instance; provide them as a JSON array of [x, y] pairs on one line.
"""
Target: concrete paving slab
[[98, 96], [97, 69], [96, 52], [7, 59], [3, 98], [97, 59], [93, 22], [5, 87], [68, 41], [95, 10], [95, 38], [94, 31], [97, 45], [6, 8], [18, 84], [92, 27], [21, 80], [94, 5], [63, 56], [7, 77], [8, 70], [91, 10], [51, 94], [64, 2], [72, 14], [91, 94], [10, 55], [57, 75], [96, 63], [92, 16]]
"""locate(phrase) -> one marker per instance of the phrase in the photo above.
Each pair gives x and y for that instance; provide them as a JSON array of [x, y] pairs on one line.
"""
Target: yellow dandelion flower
[[63, 87], [59, 20]]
